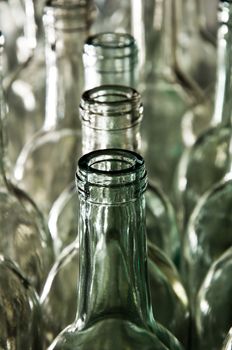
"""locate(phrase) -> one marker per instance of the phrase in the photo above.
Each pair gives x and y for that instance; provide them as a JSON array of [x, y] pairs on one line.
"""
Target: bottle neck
[[111, 117], [110, 58], [223, 102], [3, 113], [113, 277], [155, 36], [65, 32]]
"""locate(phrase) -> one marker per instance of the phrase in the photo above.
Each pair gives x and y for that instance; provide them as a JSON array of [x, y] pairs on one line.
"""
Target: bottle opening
[[121, 171], [111, 107], [111, 40]]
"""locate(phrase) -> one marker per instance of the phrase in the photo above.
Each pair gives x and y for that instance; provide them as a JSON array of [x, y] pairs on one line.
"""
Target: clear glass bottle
[[46, 164], [228, 341], [25, 87], [108, 58], [213, 307], [23, 234], [20, 316], [110, 118], [207, 160], [208, 234], [116, 312], [165, 92], [194, 54]]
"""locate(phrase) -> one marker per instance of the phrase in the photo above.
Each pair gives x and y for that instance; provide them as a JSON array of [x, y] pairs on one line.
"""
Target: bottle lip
[[68, 15], [111, 107], [114, 169], [110, 52], [224, 12]]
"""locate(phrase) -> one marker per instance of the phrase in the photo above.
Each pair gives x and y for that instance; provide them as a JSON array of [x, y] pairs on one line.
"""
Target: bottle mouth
[[111, 107], [110, 51], [68, 15], [122, 172]]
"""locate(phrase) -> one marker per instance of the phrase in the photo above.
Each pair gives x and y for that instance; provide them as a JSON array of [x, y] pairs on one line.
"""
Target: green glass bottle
[[24, 236], [166, 93], [194, 54], [20, 316], [213, 316], [110, 118], [37, 170], [114, 309], [207, 160]]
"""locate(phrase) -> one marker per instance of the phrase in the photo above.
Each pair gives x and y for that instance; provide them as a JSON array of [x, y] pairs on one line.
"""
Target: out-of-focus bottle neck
[[223, 102], [66, 26], [110, 58], [111, 117]]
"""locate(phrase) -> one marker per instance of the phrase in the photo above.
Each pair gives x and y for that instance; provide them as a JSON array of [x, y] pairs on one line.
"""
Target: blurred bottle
[[111, 58], [20, 316], [116, 312], [12, 18], [23, 234], [213, 308], [110, 116], [194, 54], [46, 164], [209, 24], [113, 16], [206, 161], [166, 93], [25, 87]]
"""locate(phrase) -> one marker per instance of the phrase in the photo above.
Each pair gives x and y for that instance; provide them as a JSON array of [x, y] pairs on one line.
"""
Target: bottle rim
[[111, 107], [111, 176]]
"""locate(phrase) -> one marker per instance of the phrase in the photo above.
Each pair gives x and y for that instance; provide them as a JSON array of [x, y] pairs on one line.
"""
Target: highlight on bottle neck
[[111, 107], [68, 15], [2, 43], [111, 52], [225, 12], [111, 176]]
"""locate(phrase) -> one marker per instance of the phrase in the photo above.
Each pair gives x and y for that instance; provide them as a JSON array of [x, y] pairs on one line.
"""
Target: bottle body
[[215, 294]]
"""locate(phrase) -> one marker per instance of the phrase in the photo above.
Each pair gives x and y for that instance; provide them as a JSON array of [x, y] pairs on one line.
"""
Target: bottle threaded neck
[[111, 107], [225, 12], [111, 176], [111, 52], [68, 15]]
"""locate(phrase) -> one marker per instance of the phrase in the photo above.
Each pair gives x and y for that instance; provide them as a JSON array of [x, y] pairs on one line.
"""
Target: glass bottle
[[116, 312], [37, 169], [202, 243], [166, 95], [25, 87], [20, 316], [195, 56], [111, 57], [110, 117], [23, 234], [228, 342], [206, 161], [213, 307]]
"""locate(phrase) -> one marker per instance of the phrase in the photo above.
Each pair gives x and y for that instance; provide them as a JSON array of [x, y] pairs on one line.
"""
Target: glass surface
[[23, 236], [195, 55], [166, 93], [206, 161], [213, 307], [208, 234], [113, 262], [47, 162], [20, 316], [228, 341]]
